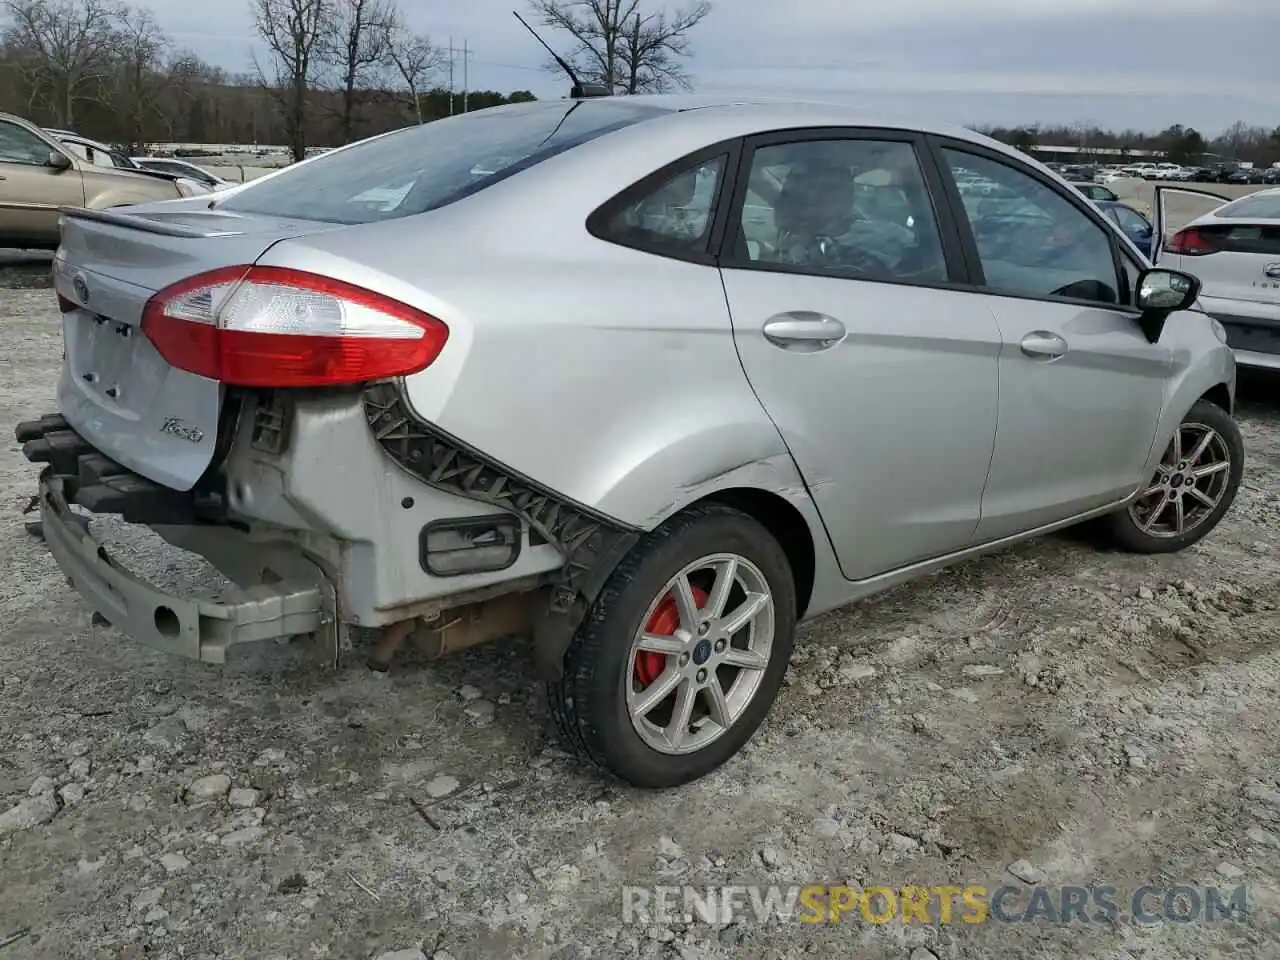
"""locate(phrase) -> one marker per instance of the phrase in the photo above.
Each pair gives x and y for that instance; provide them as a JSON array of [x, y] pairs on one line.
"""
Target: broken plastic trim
[[592, 544]]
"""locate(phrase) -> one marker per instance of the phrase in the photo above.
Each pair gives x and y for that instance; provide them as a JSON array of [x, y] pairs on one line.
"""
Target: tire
[[603, 675], [1173, 497]]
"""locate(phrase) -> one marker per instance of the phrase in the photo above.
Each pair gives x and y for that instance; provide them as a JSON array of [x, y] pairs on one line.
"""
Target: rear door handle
[[1043, 345], [803, 331]]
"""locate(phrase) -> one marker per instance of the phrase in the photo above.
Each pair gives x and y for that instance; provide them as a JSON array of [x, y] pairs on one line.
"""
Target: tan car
[[38, 175]]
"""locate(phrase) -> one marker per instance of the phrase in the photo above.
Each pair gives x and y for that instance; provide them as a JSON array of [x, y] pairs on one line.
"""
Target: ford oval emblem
[[81, 288], [1272, 270]]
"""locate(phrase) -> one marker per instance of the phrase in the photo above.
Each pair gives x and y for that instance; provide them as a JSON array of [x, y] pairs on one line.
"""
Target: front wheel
[[1192, 488], [682, 654]]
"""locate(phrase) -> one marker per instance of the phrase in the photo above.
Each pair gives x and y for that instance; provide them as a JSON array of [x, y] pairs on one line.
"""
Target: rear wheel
[[682, 654], [1192, 488]]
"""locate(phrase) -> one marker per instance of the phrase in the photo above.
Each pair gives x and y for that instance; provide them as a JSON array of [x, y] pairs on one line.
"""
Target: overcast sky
[[1119, 63]]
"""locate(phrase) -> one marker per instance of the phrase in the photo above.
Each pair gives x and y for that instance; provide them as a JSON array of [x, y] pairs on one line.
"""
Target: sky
[[1142, 64]]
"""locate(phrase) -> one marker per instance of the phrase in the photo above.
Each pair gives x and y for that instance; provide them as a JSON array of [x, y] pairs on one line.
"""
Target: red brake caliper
[[663, 623]]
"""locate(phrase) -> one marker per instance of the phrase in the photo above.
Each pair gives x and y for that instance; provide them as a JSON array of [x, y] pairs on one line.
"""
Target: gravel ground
[[1110, 719]]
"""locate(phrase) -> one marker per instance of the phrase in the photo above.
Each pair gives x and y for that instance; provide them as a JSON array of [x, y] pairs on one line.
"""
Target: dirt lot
[[1112, 720]]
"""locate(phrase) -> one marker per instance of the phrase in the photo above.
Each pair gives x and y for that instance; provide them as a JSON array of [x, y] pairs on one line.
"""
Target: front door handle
[[803, 331], [1043, 345]]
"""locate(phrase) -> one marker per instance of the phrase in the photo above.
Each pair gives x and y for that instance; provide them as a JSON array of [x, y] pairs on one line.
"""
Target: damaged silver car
[[649, 380]]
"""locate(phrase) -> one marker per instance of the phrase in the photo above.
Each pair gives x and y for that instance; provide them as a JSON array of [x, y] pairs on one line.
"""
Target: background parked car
[[39, 173], [1234, 249], [1135, 226], [101, 155], [1095, 191], [181, 168]]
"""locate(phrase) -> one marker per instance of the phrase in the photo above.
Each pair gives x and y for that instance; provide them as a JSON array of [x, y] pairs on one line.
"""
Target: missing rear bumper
[[591, 543], [196, 628]]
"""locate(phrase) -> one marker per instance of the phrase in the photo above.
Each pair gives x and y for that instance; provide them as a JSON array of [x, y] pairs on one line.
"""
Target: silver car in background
[[648, 379]]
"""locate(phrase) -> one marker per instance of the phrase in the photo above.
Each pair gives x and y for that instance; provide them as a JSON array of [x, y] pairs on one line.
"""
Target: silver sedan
[[651, 380]]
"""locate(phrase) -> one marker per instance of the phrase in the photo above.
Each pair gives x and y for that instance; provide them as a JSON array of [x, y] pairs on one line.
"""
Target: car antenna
[[580, 90]]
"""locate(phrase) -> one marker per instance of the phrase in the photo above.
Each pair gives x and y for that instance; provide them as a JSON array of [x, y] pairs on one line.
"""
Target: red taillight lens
[[276, 327], [1191, 242]]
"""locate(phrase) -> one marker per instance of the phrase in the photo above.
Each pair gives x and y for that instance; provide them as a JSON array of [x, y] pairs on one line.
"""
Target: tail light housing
[[258, 326], [1190, 242]]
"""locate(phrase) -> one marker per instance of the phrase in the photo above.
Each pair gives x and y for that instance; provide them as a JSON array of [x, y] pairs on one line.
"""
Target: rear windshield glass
[[425, 167], [1257, 206]]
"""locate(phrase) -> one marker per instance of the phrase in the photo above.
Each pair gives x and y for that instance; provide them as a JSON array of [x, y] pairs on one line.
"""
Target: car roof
[[1212, 216], [802, 112]]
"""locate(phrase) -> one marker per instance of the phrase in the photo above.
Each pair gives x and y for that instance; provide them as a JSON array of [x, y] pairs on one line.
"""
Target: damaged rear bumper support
[[196, 628], [592, 543]]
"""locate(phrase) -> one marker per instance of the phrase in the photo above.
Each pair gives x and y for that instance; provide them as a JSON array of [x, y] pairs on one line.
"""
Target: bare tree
[[294, 31], [653, 46], [185, 83], [415, 59], [140, 46], [622, 46], [68, 46], [356, 44]]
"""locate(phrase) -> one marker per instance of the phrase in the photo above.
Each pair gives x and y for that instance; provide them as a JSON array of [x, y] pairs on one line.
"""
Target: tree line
[[1184, 145], [332, 71]]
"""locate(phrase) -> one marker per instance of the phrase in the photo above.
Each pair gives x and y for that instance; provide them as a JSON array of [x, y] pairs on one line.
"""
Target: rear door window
[[425, 167], [851, 207]]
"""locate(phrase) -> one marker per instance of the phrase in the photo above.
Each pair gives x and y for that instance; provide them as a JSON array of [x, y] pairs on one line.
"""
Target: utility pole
[[466, 52]]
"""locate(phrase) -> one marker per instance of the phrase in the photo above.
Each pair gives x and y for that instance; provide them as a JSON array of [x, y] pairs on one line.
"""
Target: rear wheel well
[[1219, 396], [785, 524]]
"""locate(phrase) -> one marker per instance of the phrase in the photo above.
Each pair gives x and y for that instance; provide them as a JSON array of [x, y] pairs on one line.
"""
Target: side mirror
[[58, 160], [1162, 291]]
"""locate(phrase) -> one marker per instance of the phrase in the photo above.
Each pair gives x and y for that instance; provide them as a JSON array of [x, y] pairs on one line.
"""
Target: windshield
[[425, 167]]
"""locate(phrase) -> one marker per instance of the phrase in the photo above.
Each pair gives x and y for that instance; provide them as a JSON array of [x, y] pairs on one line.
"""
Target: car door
[[1081, 388], [1172, 208], [879, 375], [32, 190]]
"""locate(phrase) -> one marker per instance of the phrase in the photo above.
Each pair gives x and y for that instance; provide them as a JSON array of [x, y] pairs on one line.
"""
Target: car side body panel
[[648, 432], [1201, 363]]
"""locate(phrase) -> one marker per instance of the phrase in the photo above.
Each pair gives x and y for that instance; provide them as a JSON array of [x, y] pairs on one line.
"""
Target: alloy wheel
[[1187, 487], [701, 653]]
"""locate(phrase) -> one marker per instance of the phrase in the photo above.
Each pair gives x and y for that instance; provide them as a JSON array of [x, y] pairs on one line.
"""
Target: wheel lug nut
[[720, 645], [702, 676], [703, 628], [684, 659]]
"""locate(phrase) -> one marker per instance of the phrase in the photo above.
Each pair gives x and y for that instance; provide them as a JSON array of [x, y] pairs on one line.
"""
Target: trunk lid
[[115, 389], [1245, 264]]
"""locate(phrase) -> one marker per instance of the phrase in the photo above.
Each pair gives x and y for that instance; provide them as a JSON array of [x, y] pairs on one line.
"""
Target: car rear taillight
[[1191, 242], [277, 327]]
